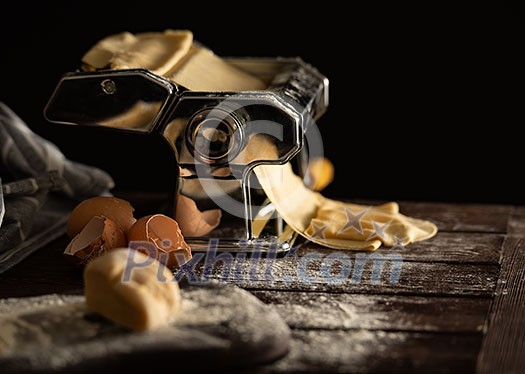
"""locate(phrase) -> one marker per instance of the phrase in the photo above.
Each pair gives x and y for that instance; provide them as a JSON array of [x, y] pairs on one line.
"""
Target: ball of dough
[[131, 289]]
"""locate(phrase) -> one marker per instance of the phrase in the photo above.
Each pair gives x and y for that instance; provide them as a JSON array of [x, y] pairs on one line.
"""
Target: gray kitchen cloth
[[38, 188]]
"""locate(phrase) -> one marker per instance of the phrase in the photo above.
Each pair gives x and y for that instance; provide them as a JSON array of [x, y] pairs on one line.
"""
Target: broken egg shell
[[96, 238], [192, 221], [117, 210], [165, 235]]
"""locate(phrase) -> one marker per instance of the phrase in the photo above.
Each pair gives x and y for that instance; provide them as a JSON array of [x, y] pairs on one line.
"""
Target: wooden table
[[455, 303]]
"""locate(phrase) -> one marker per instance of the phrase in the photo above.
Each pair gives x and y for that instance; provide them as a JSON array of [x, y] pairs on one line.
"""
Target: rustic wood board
[[55, 275], [430, 320], [461, 217], [444, 247], [317, 310], [311, 274], [44, 272], [516, 226], [363, 351], [220, 327], [58, 276], [503, 349]]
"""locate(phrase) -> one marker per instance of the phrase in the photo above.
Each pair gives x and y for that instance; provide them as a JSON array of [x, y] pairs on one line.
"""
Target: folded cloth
[[2, 206], [38, 187]]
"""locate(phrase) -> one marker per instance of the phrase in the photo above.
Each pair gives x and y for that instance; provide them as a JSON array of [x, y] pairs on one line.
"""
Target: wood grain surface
[[503, 349], [353, 316]]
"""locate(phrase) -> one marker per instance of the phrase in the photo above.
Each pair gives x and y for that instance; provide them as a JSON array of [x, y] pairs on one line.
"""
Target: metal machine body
[[217, 138]]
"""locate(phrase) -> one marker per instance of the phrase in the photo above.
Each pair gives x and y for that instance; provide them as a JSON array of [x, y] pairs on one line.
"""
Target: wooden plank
[[444, 247], [43, 272], [46, 271], [461, 217], [516, 225], [504, 343], [336, 271], [314, 310], [363, 351]]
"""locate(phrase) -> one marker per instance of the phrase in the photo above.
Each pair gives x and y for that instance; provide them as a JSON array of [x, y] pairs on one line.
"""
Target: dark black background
[[425, 99]]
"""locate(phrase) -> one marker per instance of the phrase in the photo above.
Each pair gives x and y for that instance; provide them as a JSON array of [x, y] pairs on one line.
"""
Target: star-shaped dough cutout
[[353, 221], [399, 246], [379, 230], [318, 231]]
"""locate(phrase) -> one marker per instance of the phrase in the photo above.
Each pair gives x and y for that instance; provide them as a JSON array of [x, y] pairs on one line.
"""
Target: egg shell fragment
[[96, 238], [166, 242], [192, 221], [118, 210]]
